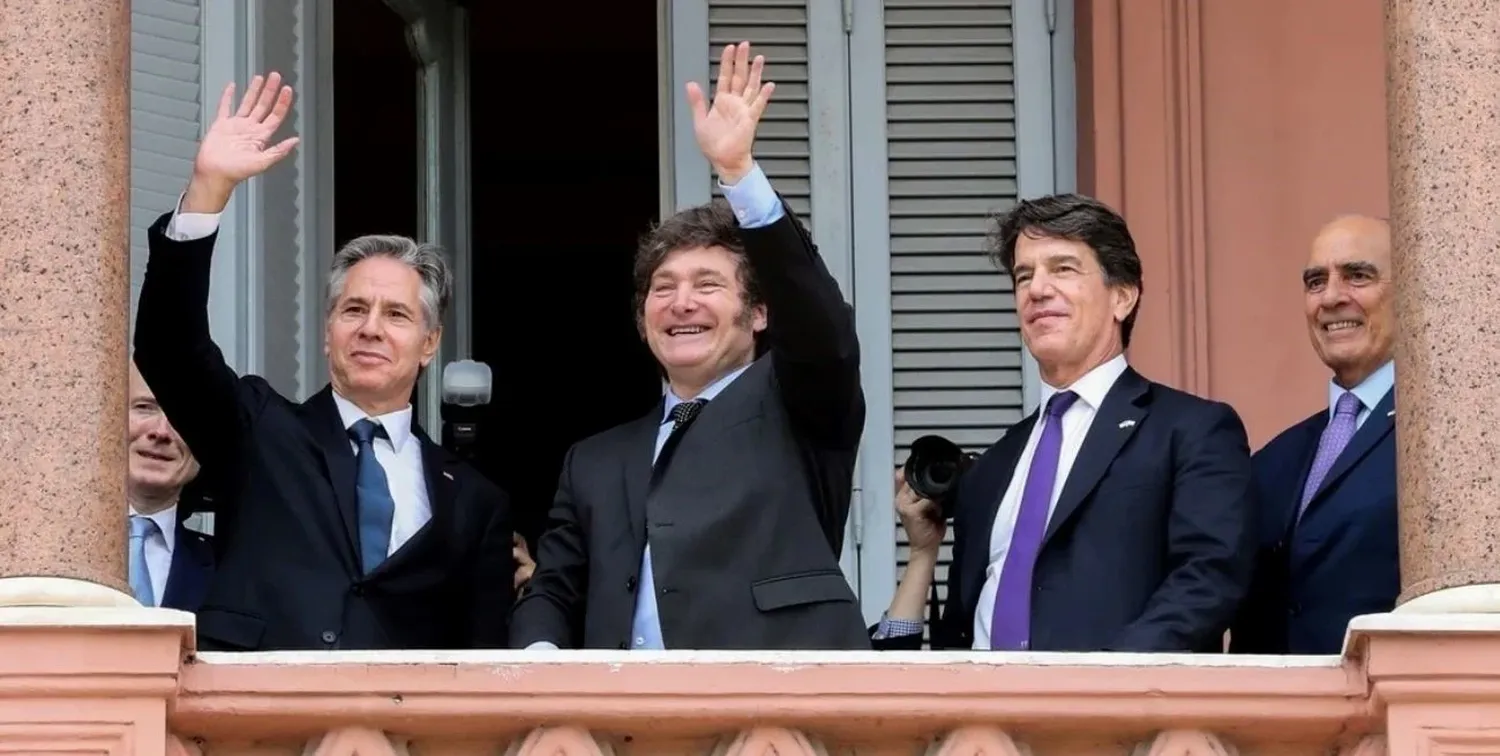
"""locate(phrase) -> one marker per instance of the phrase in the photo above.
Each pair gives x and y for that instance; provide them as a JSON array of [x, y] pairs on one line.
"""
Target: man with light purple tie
[[1119, 516], [1327, 485]]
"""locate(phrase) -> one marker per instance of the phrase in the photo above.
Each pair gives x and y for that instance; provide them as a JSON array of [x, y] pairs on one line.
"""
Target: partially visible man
[[1327, 485], [1119, 515], [170, 565], [344, 525], [716, 521]]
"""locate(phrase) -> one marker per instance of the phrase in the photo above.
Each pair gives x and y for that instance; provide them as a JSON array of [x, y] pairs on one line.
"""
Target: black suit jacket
[[1150, 546], [745, 515], [288, 574], [1342, 558]]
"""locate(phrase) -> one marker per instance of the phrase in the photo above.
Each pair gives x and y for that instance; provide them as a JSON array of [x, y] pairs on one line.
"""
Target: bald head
[[1350, 298]]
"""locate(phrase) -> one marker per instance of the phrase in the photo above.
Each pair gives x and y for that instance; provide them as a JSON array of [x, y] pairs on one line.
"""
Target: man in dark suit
[[341, 524], [716, 521], [1327, 485], [170, 563], [1118, 516]]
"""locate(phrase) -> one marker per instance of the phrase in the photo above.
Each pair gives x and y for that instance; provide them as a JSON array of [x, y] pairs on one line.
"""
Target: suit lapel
[[321, 416], [438, 467], [637, 468], [1006, 454], [1114, 423], [1291, 495], [1376, 426], [187, 578]]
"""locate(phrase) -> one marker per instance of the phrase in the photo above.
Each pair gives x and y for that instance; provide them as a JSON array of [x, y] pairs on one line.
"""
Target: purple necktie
[[1010, 628], [1335, 437]]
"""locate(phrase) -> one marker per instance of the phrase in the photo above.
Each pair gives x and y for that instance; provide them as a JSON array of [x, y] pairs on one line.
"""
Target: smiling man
[[170, 564], [716, 521], [342, 525], [1327, 485], [1116, 517]]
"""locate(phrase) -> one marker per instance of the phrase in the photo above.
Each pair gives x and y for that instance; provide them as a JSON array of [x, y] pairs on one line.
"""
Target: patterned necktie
[[1335, 437], [141, 528], [684, 413], [1010, 627], [373, 496]]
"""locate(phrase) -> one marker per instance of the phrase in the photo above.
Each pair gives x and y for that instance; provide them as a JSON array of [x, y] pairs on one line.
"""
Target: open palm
[[238, 145], [726, 132]]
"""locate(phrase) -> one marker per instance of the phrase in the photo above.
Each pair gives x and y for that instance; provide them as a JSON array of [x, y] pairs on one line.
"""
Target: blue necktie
[[373, 495], [141, 528]]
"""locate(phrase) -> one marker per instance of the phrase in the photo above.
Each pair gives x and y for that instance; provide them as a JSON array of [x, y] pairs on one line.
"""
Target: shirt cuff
[[186, 227], [897, 628], [753, 200]]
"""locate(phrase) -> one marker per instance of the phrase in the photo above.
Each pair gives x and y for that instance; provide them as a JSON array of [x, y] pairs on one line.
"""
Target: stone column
[[64, 299], [1443, 108]]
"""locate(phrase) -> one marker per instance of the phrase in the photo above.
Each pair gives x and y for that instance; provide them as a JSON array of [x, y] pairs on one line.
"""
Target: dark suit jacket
[[192, 557], [1150, 545], [746, 520], [1341, 560], [288, 574]]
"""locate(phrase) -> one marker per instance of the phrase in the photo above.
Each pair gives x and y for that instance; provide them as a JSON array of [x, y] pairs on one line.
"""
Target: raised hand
[[726, 132], [238, 144]]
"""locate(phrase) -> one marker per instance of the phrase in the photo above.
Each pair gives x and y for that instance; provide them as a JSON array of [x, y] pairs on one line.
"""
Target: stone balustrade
[[127, 680]]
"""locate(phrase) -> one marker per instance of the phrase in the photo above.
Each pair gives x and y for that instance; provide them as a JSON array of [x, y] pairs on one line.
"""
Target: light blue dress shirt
[[1370, 391], [755, 205]]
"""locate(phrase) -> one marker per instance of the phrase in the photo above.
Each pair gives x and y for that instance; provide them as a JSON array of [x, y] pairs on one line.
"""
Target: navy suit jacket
[[1150, 546], [1341, 559], [192, 569]]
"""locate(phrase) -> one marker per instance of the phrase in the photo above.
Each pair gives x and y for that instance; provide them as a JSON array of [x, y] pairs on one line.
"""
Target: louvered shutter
[[165, 116], [776, 29], [950, 111]]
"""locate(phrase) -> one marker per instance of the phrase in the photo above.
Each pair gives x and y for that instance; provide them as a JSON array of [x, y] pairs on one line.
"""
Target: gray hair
[[426, 259]]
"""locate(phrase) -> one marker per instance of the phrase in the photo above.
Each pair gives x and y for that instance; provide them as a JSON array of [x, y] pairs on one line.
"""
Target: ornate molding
[[769, 741], [1369, 745], [559, 741], [1185, 743], [354, 741], [978, 740]]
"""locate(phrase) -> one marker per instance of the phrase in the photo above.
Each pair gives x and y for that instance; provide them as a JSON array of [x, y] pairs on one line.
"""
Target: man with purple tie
[[1327, 485], [1117, 517]]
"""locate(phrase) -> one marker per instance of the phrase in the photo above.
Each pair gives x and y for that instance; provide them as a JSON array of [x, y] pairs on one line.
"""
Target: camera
[[933, 469], [466, 389]]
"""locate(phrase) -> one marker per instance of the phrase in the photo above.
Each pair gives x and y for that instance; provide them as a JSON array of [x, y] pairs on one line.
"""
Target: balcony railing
[[127, 681]]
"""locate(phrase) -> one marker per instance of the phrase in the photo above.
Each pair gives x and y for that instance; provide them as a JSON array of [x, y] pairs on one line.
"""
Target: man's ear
[[1126, 298]]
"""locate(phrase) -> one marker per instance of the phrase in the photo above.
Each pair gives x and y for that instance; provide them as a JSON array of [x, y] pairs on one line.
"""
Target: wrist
[[923, 560], [207, 194], [734, 172]]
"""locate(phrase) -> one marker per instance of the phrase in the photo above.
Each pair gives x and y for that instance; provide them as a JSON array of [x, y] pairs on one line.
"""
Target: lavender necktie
[[1335, 437], [1010, 628]]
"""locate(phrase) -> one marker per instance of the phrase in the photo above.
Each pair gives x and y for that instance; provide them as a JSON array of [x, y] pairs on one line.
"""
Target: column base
[[61, 592], [86, 669], [1463, 599]]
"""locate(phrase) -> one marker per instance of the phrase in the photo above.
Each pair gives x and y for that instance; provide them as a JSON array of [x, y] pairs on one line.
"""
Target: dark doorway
[[375, 121], [565, 180]]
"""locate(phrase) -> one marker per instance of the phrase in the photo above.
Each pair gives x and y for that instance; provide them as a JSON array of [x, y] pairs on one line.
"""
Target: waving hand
[[726, 131], [238, 144]]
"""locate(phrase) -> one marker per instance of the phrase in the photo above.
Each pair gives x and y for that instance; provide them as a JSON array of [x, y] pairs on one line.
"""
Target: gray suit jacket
[[745, 514]]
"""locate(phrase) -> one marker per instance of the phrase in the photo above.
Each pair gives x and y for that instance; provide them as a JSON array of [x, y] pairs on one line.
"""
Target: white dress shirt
[[1091, 390], [159, 547], [400, 454]]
